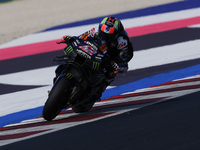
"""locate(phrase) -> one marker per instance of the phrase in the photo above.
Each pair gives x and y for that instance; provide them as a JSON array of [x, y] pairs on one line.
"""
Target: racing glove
[[115, 67], [111, 71], [67, 39]]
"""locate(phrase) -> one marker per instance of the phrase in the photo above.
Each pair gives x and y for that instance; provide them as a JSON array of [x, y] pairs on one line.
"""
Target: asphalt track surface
[[170, 125]]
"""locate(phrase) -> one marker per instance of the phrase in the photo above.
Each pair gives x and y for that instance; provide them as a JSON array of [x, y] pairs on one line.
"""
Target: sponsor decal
[[103, 48], [122, 43], [91, 44], [84, 54], [92, 32], [84, 36]]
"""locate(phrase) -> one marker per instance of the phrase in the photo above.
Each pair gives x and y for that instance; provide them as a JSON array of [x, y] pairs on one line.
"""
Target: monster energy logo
[[69, 76], [95, 65], [68, 50]]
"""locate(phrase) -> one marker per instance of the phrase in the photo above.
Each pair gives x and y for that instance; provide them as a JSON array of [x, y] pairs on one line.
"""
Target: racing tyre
[[57, 98]]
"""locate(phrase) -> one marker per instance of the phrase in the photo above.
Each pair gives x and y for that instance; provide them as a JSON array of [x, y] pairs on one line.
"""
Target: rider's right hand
[[66, 39]]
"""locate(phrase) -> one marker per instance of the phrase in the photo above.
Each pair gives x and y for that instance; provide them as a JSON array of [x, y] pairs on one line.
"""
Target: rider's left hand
[[115, 67]]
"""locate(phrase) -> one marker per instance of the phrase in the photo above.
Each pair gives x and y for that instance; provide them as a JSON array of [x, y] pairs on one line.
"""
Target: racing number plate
[[88, 49]]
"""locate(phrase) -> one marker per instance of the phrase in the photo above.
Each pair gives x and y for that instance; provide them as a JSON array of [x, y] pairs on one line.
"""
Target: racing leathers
[[120, 50], [119, 53]]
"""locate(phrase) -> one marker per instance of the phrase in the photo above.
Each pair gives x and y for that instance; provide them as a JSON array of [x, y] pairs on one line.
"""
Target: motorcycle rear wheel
[[57, 98]]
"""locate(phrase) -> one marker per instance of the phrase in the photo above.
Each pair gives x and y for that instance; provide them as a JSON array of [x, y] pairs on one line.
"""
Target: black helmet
[[109, 28]]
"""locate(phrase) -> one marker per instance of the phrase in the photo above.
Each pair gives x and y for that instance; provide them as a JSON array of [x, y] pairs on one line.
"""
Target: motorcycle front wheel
[[57, 98]]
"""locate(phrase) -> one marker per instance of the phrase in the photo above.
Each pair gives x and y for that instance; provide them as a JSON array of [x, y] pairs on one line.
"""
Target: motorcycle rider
[[119, 51]]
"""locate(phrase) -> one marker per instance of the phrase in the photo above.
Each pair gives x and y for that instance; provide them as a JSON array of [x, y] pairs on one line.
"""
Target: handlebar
[[59, 42]]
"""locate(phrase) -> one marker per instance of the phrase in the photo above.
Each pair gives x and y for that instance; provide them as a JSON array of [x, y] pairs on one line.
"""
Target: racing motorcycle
[[81, 80]]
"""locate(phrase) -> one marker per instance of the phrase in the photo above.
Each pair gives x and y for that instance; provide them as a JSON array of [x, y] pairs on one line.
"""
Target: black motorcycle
[[80, 80]]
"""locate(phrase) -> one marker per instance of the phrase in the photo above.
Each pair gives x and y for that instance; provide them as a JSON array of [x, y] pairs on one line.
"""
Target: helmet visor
[[105, 36]]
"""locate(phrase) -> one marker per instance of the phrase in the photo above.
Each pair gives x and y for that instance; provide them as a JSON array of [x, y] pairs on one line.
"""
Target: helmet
[[109, 28]]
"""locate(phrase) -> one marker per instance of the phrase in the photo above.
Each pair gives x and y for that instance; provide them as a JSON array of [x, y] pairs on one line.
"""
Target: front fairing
[[92, 48]]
